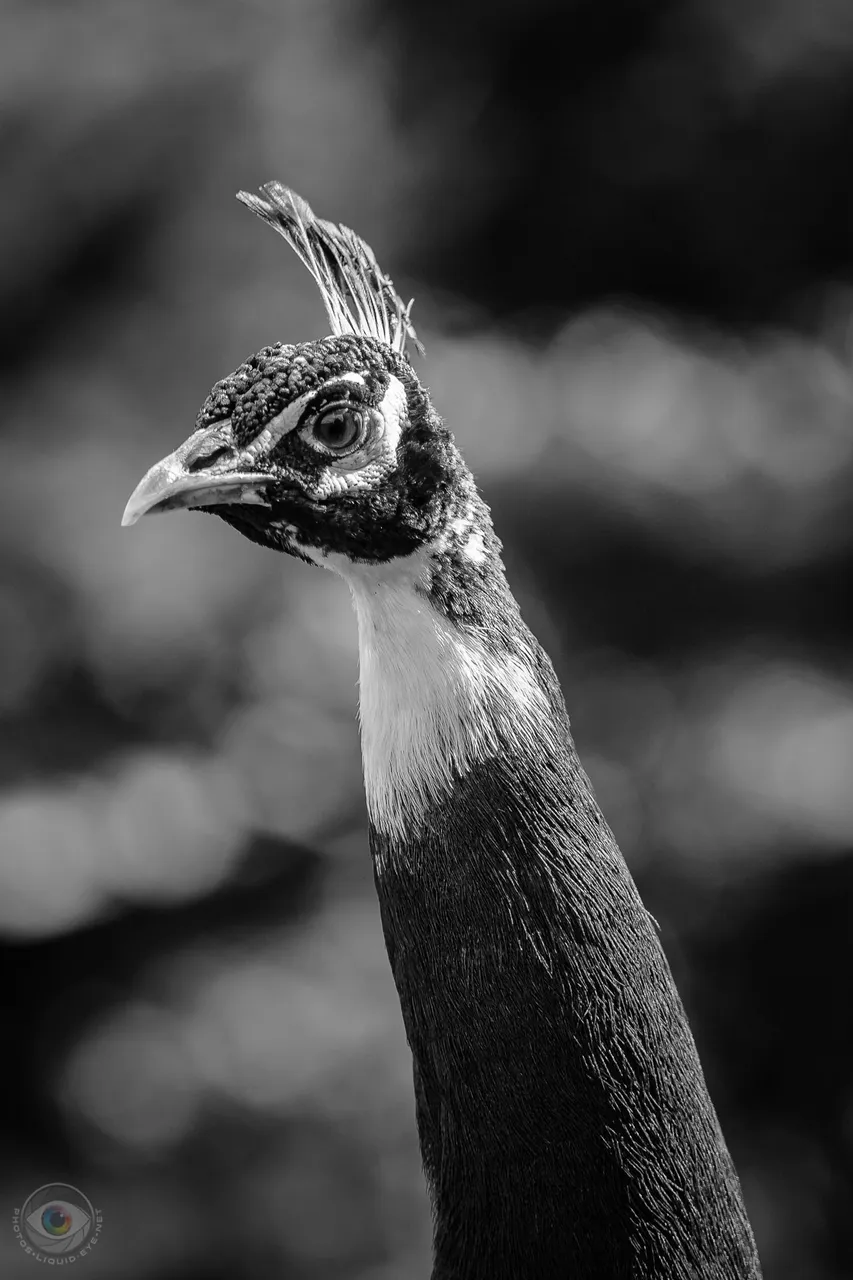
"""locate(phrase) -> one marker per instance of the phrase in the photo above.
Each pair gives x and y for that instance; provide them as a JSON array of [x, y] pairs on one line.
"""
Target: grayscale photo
[[435, 863]]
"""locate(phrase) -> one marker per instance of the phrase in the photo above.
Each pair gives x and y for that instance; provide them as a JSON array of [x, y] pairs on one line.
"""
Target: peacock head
[[328, 450]]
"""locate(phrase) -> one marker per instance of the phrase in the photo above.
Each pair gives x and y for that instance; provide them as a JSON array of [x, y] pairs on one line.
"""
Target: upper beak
[[205, 471]]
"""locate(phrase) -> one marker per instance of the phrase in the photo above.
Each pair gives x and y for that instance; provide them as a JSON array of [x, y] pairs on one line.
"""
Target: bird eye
[[339, 427]]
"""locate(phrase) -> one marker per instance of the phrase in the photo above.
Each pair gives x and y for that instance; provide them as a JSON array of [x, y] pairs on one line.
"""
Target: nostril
[[205, 460]]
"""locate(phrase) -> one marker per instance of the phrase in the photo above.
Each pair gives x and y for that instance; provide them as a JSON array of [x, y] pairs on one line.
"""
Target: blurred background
[[629, 231]]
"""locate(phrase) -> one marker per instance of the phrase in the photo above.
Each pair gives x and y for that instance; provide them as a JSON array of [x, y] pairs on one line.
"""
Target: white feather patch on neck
[[434, 700]]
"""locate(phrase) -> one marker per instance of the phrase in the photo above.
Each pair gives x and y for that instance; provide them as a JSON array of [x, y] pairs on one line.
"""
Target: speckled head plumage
[[327, 447]]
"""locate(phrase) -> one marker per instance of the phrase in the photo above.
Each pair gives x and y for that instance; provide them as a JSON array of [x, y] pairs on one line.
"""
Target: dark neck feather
[[564, 1121]]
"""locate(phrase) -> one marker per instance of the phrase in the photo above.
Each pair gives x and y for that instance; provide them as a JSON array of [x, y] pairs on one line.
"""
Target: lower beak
[[206, 471]]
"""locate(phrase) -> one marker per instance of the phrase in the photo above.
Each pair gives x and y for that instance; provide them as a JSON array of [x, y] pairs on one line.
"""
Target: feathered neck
[[564, 1121], [438, 693]]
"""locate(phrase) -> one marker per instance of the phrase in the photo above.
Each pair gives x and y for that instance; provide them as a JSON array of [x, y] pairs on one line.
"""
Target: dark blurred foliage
[[628, 231], [694, 154]]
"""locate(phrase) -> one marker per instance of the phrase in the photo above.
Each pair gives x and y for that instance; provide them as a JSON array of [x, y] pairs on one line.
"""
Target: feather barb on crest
[[359, 298]]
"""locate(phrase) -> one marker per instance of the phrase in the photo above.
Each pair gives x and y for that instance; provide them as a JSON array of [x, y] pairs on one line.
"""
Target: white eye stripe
[[326, 394], [286, 421], [394, 408], [365, 468]]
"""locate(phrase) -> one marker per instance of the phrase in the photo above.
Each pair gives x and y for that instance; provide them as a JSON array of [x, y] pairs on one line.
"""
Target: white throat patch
[[433, 700]]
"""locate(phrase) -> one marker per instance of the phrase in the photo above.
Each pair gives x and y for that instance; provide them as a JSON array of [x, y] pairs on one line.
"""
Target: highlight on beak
[[206, 471]]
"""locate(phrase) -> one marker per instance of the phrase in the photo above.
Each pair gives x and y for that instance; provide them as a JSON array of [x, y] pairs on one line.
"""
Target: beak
[[206, 471]]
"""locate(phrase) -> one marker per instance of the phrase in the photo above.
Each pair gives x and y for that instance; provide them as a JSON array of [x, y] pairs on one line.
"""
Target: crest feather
[[359, 298]]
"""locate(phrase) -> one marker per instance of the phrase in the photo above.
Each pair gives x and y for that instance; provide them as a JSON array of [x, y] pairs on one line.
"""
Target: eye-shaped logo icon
[[57, 1218]]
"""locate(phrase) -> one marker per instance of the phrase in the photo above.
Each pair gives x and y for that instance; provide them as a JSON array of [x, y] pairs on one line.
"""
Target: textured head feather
[[359, 298]]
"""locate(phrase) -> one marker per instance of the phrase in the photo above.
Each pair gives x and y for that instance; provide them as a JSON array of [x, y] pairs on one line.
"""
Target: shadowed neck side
[[564, 1121]]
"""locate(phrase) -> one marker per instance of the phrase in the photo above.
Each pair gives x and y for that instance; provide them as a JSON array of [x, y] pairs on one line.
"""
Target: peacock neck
[[564, 1121]]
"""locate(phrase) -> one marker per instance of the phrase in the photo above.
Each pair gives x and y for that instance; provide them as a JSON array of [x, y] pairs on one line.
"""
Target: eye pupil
[[339, 427]]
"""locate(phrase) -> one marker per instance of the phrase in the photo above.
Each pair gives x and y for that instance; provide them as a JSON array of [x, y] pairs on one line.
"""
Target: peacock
[[564, 1122]]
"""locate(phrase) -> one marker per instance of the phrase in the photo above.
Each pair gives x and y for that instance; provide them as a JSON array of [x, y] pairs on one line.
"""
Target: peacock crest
[[359, 298]]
